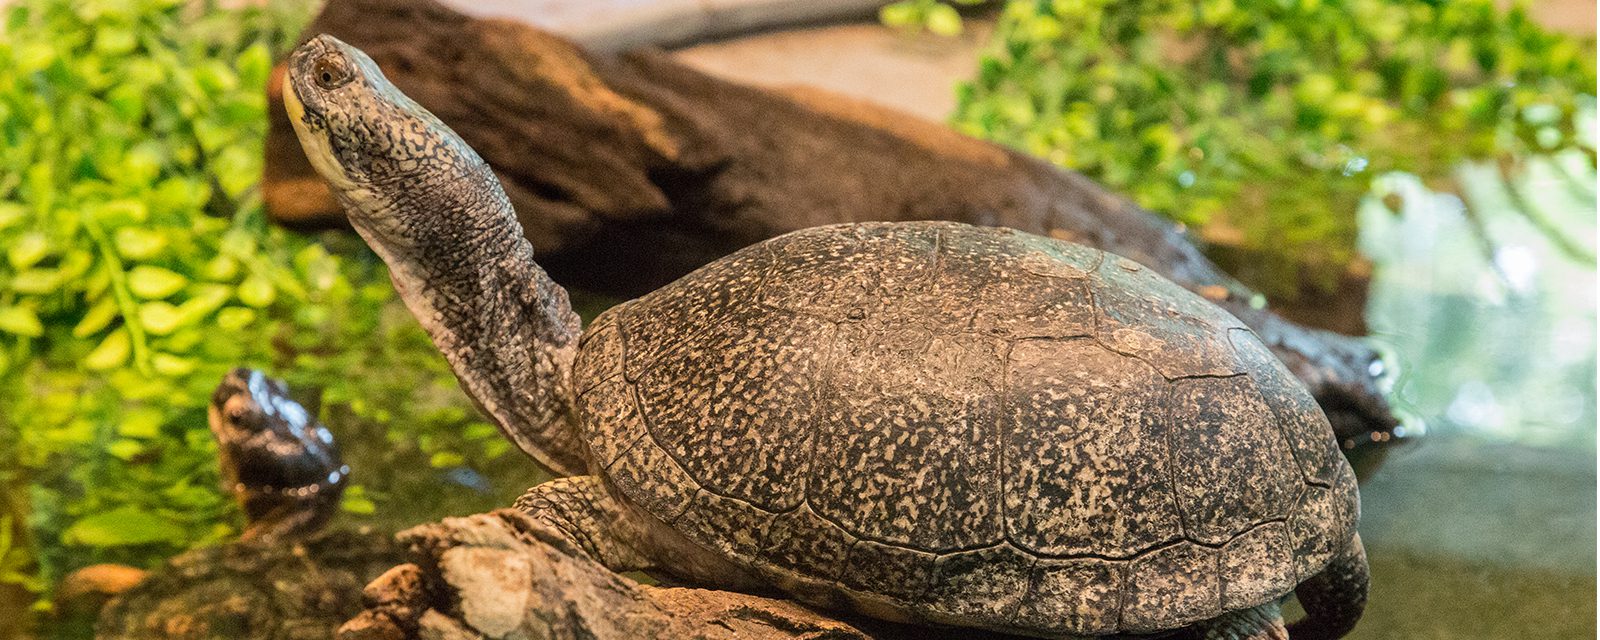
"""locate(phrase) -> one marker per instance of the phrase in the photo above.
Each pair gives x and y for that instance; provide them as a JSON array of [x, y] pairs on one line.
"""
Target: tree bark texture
[[291, 590], [629, 171], [502, 576]]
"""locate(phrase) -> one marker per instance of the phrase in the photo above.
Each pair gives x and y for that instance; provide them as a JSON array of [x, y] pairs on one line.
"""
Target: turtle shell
[[969, 426]]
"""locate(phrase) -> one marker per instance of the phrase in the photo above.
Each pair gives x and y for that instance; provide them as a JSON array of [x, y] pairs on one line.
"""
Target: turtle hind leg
[[1263, 622], [580, 511], [1335, 598]]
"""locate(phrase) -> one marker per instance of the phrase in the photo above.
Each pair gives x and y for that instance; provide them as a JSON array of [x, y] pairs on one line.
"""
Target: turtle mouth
[[310, 125]]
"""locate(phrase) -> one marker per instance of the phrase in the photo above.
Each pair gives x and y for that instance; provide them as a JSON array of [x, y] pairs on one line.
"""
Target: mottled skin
[[925, 422], [506, 328], [280, 463], [284, 578]]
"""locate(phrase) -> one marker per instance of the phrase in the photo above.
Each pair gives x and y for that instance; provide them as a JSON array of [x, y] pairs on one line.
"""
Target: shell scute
[[1171, 587], [1323, 521], [1232, 465], [1256, 567], [1316, 449], [1081, 596], [802, 542], [736, 527], [655, 324], [733, 403], [835, 272], [1146, 316], [1012, 285], [614, 411], [914, 415], [599, 356], [653, 479], [986, 583], [1087, 461], [888, 570]]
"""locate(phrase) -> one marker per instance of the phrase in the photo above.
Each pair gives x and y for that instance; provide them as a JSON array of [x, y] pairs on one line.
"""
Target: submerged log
[[629, 171]]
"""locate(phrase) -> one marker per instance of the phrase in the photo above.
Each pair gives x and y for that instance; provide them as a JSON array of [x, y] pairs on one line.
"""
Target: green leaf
[[154, 283], [159, 318], [20, 321], [205, 299], [900, 14], [135, 243], [170, 365], [10, 214], [235, 318], [27, 250], [36, 281], [257, 291], [359, 505], [237, 169], [122, 212], [111, 352], [944, 20], [444, 459], [126, 525], [125, 449], [220, 268], [98, 317], [140, 422]]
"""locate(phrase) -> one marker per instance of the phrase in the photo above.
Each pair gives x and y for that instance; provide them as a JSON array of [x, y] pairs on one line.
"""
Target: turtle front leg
[[1264, 622], [583, 511]]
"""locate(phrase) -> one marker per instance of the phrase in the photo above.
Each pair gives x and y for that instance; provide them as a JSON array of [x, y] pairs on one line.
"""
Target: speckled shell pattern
[[969, 426]]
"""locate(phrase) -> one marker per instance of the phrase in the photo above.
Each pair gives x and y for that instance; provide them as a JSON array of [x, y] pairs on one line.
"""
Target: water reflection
[[1488, 303], [1491, 301]]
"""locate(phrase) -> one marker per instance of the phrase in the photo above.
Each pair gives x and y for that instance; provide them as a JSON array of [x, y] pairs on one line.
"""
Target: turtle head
[[435, 212], [405, 178], [279, 462]]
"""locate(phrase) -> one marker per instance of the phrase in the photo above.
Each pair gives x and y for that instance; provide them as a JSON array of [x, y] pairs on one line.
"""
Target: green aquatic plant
[[1264, 122], [136, 266]]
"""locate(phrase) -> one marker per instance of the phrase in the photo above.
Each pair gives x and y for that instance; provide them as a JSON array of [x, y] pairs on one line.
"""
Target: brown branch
[[500, 575]]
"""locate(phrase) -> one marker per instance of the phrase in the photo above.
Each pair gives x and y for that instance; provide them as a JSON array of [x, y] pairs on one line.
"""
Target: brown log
[[301, 589], [629, 171], [500, 575]]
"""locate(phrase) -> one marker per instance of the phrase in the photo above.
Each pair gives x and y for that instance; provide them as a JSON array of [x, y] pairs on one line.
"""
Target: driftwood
[[252, 589], [499, 576], [629, 171]]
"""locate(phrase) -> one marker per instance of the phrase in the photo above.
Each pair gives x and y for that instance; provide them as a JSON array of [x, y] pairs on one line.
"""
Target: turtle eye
[[246, 418], [331, 73]]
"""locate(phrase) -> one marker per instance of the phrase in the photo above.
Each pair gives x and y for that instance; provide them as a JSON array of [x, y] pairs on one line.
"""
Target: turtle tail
[[1335, 598]]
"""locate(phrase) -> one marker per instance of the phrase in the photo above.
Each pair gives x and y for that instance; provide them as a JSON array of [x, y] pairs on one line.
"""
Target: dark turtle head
[[281, 464], [405, 178]]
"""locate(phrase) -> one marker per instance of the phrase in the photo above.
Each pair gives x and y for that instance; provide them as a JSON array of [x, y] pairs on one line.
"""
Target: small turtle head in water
[[281, 464]]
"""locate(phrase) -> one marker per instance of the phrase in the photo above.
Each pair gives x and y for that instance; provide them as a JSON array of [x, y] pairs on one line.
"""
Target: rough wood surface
[[246, 589], [630, 171], [499, 576]]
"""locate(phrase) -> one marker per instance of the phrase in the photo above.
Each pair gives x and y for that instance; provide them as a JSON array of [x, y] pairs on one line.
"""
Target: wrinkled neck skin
[[466, 272]]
